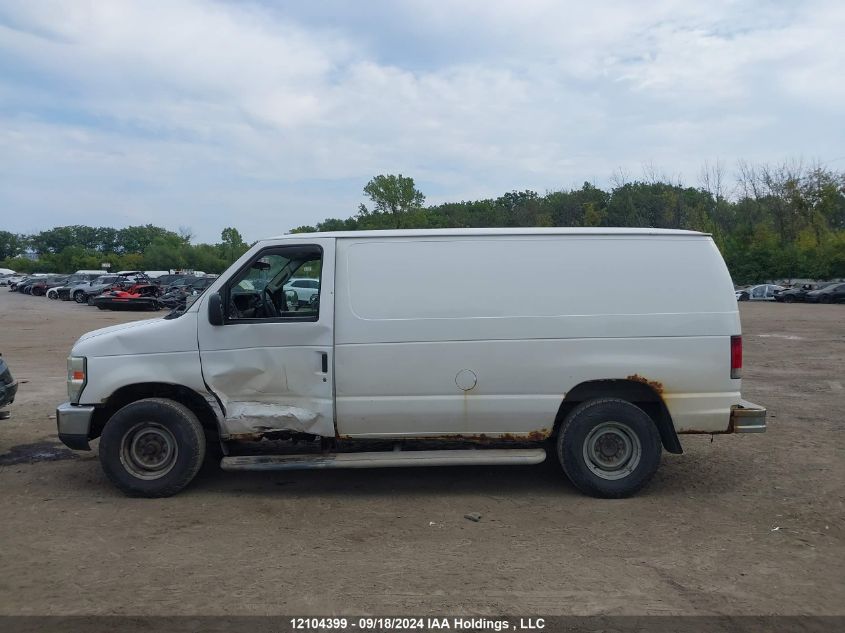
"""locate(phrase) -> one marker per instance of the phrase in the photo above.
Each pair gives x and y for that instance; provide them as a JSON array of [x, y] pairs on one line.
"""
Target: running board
[[387, 459]]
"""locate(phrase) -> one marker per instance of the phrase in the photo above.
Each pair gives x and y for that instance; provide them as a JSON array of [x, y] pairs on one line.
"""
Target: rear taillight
[[736, 357]]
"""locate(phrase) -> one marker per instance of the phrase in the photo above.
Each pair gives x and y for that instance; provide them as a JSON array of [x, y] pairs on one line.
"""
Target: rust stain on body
[[657, 386], [540, 435]]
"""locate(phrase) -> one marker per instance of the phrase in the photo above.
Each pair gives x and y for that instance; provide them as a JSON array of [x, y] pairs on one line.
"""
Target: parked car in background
[[202, 283], [176, 295], [798, 292], [14, 280], [24, 287], [166, 280], [8, 388], [180, 282], [40, 287], [304, 288], [833, 293], [63, 291], [82, 291], [762, 292]]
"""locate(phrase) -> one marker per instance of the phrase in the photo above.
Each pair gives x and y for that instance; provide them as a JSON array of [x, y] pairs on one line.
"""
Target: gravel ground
[[749, 524]]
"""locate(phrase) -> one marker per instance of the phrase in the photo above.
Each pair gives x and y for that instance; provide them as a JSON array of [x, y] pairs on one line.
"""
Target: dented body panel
[[269, 375]]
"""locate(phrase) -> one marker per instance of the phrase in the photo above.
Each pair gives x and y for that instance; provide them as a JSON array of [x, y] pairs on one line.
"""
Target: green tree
[[53, 240], [788, 221], [136, 239], [165, 252], [232, 245], [11, 245], [393, 195]]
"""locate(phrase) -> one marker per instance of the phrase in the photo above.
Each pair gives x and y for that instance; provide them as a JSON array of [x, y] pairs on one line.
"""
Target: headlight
[[76, 377]]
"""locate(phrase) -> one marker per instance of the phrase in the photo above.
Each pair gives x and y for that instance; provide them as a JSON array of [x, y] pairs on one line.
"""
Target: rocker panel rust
[[481, 438]]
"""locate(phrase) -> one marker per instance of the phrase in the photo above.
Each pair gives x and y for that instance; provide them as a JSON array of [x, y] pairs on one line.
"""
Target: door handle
[[324, 359]]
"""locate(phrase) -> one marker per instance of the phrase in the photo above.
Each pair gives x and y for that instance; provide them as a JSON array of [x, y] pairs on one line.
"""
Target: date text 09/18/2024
[[417, 623]]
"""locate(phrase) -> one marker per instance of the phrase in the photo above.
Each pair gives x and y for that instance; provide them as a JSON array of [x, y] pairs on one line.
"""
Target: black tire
[[152, 423], [79, 296], [615, 423], [789, 299], [824, 299]]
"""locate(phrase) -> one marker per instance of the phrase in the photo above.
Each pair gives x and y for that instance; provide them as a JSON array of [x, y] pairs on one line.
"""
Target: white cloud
[[209, 114]]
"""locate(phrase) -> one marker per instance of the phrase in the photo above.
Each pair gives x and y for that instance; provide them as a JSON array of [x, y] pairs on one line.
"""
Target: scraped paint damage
[[260, 417], [269, 417]]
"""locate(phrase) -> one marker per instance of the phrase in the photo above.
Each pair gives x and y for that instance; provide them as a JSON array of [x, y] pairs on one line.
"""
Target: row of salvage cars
[[824, 292], [130, 290]]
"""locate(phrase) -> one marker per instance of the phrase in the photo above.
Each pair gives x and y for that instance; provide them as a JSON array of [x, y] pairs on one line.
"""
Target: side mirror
[[215, 309]]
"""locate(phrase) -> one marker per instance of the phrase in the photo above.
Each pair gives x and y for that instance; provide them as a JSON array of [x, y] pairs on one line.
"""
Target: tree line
[[771, 222], [148, 247]]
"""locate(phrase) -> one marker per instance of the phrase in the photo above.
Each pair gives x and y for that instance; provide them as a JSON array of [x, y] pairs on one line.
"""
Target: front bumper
[[7, 393], [747, 417], [74, 423]]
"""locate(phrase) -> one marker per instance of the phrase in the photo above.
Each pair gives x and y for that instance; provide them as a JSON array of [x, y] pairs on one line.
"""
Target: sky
[[270, 115]]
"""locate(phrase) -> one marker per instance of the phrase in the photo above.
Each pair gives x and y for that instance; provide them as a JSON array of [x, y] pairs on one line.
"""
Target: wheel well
[[131, 393], [642, 394]]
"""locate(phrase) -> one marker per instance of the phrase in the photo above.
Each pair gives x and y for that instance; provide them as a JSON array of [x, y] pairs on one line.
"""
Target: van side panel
[[485, 335]]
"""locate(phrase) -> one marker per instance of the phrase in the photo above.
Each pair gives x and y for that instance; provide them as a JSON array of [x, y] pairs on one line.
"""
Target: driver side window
[[262, 290]]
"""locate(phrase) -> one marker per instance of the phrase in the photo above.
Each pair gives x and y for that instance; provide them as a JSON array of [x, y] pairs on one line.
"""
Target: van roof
[[497, 231]]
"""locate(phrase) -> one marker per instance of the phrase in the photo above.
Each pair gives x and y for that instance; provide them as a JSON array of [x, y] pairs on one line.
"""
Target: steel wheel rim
[[612, 450], [148, 451]]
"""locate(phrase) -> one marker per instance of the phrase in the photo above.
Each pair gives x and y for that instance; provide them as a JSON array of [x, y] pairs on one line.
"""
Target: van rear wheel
[[152, 447], [608, 447]]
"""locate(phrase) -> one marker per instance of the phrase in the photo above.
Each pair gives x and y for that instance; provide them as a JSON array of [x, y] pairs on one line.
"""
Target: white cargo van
[[425, 348]]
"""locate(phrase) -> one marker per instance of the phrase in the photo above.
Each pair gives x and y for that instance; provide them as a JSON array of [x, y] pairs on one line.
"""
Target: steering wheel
[[270, 308]]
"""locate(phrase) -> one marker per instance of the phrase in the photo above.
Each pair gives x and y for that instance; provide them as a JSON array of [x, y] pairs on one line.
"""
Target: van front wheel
[[152, 447], [608, 447]]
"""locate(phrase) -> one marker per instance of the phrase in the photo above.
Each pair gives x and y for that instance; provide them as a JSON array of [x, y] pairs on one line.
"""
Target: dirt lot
[[747, 524]]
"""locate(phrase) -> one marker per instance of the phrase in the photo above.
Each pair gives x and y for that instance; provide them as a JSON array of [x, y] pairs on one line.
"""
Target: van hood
[[115, 328], [151, 336]]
